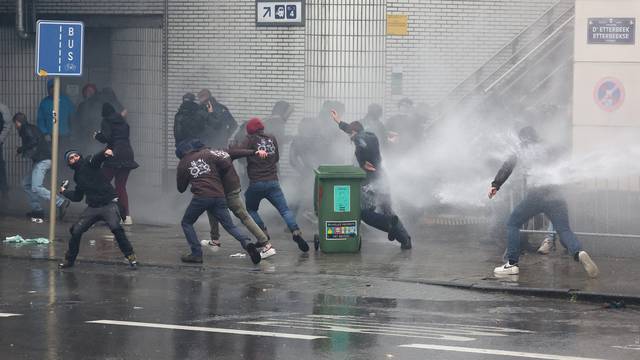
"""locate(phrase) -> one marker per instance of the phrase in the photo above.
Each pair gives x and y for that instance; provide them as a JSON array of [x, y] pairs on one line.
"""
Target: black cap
[[188, 97]]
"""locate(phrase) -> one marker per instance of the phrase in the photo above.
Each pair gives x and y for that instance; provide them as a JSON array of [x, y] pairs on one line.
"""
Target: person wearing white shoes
[[540, 198]]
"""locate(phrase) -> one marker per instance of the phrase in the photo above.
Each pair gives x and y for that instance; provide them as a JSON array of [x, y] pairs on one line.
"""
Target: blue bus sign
[[59, 48]]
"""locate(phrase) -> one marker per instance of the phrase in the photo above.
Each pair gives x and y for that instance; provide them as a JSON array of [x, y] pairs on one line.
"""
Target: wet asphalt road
[[249, 315]]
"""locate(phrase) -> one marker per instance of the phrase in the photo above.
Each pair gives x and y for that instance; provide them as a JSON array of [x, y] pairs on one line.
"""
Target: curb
[[569, 294]]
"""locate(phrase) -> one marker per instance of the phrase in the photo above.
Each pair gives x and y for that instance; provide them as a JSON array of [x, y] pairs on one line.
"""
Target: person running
[[114, 132], [545, 199], [232, 189], [376, 208], [35, 147], [204, 169], [102, 204], [263, 178]]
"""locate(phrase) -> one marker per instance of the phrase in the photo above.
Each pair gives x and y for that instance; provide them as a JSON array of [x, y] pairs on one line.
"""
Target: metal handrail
[[542, 43], [511, 44]]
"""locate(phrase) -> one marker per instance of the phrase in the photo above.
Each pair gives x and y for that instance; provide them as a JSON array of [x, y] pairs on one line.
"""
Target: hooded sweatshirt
[[262, 169], [203, 168], [91, 183]]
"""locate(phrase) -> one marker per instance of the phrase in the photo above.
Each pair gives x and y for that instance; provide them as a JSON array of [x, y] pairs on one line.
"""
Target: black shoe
[[65, 264], [133, 262], [393, 225], [406, 244], [62, 209], [190, 258], [253, 253], [302, 245]]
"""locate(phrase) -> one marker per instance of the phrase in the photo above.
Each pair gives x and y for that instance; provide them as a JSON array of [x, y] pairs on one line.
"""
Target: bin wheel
[[316, 241]]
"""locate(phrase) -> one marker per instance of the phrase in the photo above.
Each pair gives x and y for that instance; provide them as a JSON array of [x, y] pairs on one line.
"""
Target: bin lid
[[339, 172]]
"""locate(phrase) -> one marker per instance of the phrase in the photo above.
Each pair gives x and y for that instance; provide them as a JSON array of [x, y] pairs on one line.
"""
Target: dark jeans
[[110, 214], [218, 208], [4, 185], [549, 202], [271, 191], [121, 176]]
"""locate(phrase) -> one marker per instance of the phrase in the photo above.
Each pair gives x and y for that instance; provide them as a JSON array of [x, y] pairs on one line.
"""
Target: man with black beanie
[[375, 205], [102, 204]]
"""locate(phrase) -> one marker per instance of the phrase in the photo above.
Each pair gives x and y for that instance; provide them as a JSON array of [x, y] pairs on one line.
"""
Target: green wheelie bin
[[336, 201]]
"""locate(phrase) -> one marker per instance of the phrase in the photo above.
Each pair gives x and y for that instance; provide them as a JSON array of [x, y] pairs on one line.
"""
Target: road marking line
[[346, 329], [207, 329], [495, 352], [2, 315]]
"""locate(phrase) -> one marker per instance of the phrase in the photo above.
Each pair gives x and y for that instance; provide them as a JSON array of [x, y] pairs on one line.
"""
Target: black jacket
[[91, 183], [115, 133], [220, 126], [367, 147], [189, 122], [34, 145]]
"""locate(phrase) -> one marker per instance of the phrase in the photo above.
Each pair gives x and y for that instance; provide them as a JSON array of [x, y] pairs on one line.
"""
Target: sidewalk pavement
[[449, 256]]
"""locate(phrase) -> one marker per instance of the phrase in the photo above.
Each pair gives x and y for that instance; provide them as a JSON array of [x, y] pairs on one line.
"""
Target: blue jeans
[[218, 208], [271, 191], [32, 184], [541, 200]]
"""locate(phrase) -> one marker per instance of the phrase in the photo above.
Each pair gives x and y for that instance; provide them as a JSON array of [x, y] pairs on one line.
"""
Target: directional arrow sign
[[279, 13]]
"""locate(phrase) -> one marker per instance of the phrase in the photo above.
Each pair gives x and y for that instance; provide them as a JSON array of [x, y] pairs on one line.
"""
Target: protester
[[545, 199], [190, 120], [5, 127], [373, 123], [35, 147], [101, 201], [406, 129], [263, 178], [45, 114], [115, 134], [220, 122], [232, 189], [376, 208], [87, 118], [204, 169], [275, 124]]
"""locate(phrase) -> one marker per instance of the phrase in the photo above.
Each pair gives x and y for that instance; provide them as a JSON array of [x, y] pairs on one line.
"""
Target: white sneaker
[[211, 245], [589, 266], [128, 221], [267, 251], [546, 246], [507, 269]]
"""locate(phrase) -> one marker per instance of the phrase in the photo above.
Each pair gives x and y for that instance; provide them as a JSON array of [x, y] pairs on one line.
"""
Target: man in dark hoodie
[[375, 193], [204, 169], [263, 177], [35, 147], [220, 123], [190, 120], [102, 204], [545, 199]]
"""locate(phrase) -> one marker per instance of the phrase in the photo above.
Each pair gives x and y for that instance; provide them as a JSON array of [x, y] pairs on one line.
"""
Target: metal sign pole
[[54, 159]]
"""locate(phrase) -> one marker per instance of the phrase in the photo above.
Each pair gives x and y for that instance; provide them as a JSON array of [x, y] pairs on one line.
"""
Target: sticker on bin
[[342, 198], [341, 230]]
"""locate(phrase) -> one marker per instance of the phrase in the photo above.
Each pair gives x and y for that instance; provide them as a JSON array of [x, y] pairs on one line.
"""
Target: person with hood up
[[204, 169], [115, 134], [35, 147], [102, 204], [190, 120], [545, 199], [275, 123], [263, 178], [87, 118], [220, 122], [373, 123], [374, 190]]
